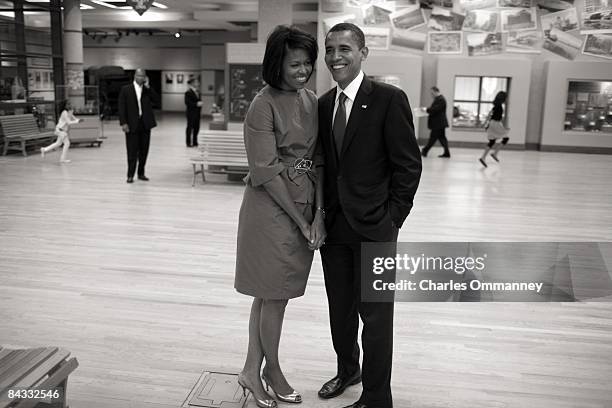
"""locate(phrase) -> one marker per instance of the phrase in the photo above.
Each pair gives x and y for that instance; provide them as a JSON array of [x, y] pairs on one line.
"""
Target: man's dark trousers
[[137, 142], [193, 128], [341, 257], [437, 134]]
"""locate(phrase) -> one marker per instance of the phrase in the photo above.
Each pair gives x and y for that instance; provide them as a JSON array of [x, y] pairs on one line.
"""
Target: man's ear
[[364, 53]]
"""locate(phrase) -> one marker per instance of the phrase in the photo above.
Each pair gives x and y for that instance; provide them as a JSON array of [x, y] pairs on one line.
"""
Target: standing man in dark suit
[[372, 168], [136, 118], [194, 111], [437, 122]]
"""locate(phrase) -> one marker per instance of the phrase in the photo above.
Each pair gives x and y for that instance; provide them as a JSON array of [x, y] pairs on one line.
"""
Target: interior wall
[[536, 62]]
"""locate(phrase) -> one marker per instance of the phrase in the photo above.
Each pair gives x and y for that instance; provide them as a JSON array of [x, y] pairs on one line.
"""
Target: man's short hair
[[435, 89], [279, 41], [356, 32], [190, 81]]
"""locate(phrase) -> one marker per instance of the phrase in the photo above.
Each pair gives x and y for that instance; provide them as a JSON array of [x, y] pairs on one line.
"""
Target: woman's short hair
[[282, 38]]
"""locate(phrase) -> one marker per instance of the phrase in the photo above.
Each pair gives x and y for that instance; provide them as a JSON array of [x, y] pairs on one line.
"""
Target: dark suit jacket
[[191, 100], [437, 114], [378, 173], [128, 107]]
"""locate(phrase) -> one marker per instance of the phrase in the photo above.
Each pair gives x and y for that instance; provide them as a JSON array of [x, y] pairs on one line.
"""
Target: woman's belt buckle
[[302, 165]]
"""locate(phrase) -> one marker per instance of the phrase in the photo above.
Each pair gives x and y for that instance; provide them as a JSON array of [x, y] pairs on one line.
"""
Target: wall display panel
[[589, 106], [578, 105], [245, 80]]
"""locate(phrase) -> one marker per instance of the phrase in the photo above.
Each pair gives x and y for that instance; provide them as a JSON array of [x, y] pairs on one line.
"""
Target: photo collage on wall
[[486, 27], [177, 81]]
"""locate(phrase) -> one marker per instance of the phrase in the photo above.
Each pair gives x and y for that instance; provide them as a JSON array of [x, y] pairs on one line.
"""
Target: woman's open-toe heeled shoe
[[263, 403], [293, 398]]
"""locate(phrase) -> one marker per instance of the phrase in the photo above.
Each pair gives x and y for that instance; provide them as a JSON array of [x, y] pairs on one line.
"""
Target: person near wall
[[193, 101], [495, 129], [278, 226], [62, 130], [136, 118], [437, 122], [372, 168]]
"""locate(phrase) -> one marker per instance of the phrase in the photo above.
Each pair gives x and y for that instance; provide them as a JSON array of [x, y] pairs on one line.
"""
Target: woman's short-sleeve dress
[[273, 260]]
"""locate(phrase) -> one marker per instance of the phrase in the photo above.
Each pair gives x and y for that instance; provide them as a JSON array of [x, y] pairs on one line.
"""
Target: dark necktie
[[340, 123]]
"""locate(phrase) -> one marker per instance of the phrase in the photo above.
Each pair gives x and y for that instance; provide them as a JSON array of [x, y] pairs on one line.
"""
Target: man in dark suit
[[372, 168], [437, 122], [136, 118], [194, 111]]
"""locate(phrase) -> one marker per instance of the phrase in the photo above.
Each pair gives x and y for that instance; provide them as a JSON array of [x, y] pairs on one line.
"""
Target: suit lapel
[[358, 112]]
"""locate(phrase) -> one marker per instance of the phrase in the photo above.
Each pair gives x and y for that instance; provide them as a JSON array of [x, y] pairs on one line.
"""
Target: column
[[271, 14], [73, 53]]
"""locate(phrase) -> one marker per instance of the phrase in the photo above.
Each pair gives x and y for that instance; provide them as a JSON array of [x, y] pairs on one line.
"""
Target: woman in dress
[[495, 128], [62, 132], [281, 217]]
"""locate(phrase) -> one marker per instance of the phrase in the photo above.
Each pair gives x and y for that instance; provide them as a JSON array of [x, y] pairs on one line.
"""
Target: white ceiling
[[233, 15]]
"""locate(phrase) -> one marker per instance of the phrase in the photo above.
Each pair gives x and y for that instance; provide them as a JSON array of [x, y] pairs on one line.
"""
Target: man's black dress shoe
[[357, 405], [130, 180], [445, 155], [143, 178], [337, 385]]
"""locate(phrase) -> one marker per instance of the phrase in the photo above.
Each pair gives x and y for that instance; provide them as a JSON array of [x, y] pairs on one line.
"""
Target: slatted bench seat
[[21, 131], [34, 372], [221, 151]]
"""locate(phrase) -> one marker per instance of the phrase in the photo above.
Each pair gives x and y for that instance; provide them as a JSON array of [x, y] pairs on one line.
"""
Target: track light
[[177, 34]]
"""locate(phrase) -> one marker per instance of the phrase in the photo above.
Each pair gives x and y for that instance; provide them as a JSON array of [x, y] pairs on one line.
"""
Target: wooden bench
[[21, 131], [221, 151], [34, 371]]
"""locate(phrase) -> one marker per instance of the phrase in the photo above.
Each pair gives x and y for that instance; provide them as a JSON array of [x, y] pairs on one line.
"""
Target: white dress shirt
[[138, 89], [351, 93]]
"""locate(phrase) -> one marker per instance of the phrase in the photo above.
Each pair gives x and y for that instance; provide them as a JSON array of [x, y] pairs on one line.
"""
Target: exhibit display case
[[589, 106]]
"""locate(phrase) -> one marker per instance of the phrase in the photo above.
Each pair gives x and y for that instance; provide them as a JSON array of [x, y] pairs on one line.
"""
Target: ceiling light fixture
[[103, 3], [177, 34], [159, 5]]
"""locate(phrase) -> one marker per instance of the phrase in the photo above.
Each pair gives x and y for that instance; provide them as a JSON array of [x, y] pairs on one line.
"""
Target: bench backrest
[[18, 125], [222, 144]]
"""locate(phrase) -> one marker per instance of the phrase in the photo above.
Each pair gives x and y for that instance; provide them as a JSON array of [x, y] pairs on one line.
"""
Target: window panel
[[466, 88], [473, 97]]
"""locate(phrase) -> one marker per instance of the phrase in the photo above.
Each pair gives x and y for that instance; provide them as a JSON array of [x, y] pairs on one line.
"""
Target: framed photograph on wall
[[445, 43], [169, 78], [598, 45], [563, 44], [481, 20], [180, 78], [408, 39], [408, 18], [518, 19], [376, 14], [529, 41], [565, 20], [514, 3], [483, 43], [552, 6], [442, 19], [377, 38]]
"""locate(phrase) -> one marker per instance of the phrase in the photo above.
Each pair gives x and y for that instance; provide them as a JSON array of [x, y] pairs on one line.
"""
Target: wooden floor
[[136, 280]]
